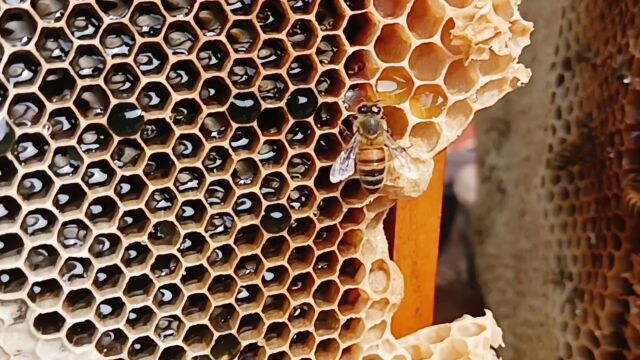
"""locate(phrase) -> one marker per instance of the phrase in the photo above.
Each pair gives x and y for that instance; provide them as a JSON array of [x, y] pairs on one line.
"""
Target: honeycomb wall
[[576, 260], [164, 188]]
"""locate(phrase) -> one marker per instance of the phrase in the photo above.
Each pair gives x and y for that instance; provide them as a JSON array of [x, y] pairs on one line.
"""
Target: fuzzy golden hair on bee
[[573, 151]]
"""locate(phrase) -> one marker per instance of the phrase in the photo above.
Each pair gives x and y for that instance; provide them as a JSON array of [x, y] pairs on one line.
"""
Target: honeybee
[[370, 150]]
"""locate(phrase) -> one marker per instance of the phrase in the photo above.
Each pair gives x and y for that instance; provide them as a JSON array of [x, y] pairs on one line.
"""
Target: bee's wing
[[400, 159], [345, 165]]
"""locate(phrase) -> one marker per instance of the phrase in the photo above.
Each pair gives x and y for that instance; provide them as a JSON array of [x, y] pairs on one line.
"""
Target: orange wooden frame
[[416, 234]]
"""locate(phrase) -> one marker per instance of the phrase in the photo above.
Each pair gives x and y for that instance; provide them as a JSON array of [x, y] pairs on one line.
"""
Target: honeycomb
[[164, 184], [571, 283]]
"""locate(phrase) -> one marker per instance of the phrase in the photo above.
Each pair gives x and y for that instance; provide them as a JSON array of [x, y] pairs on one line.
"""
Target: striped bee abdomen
[[371, 166]]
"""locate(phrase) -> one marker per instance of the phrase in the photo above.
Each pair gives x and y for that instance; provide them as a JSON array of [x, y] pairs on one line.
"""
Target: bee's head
[[370, 123], [369, 109]]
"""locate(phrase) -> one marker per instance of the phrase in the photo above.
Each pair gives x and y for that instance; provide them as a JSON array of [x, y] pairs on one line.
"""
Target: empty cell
[[301, 258], [198, 338], [46, 293], [325, 295], [275, 249], [330, 83], [222, 287], [351, 330], [277, 335], [48, 323], [78, 302], [140, 319], [41, 257], [350, 242], [195, 278], [327, 349], [226, 347], [275, 306], [327, 322], [81, 333], [175, 352], [300, 286], [302, 343], [326, 237], [112, 342], [142, 347], [250, 327], [352, 272], [138, 288], [301, 229]]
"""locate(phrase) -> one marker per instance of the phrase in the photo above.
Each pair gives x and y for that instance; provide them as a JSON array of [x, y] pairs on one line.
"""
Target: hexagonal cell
[[391, 8], [102, 211], [245, 173], [22, 69], [164, 235], [180, 38], [117, 41], [275, 306], [191, 213], [159, 168], [301, 229], [273, 54], [147, 19], [17, 27], [98, 174], [150, 59], [215, 92], [301, 315], [198, 338], [211, 18], [178, 8], [153, 97], [183, 76], [108, 278], [66, 162], [127, 154], [63, 123], [26, 110], [46, 293], [301, 198], [173, 352], [12, 280], [328, 116], [327, 349], [301, 167], [196, 307], [220, 226], [302, 35], [301, 258], [115, 9], [394, 85], [215, 126], [48, 323], [189, 180], [213, 55], [249, 297], [195, 278], [243, 73], [138, 288], [166, 267], [157, 133], [92, 101], [244, 108], [249, 268], [11, 248], [82, 333], [428, 70], [250, 327], [193, 247], [272, 154], [273, 121], [133, 222], [428, 102], [325, 295], [168, 297], [425, 18], [131, 188], [8, 172], [361, 29], [243, 36], [30, 149], [140, 319], [248, 238], [350, 242], [188, 148], [69, 197], [275, 278], [330, 15], [222, 287], [142, 348], [222, 258], [326, 237], [272, 17], [303, 7], [302, 343], [50, 11], [73, 235], [274, 186], [393, 44], [53, 45], [330, 83], [79, 302], [300, 286], [112, 342], [104, 247], [329, 209], [122, 80], [302, 70], [224, 317], [226, 347], [302, 103], [361, 65], [325, 264], [38, 222], [32, 186], [217, 161], [161, 200], [330, 50], [460, 78], [169, 328], [94, 139], [75, 271], [273, 88], [83, 22]]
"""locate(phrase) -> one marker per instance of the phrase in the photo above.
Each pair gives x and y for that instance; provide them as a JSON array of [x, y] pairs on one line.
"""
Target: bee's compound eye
[[375, 109], [363, 109]]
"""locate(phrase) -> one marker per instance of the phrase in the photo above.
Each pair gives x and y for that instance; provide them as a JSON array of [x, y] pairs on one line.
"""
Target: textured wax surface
[[166, 191]]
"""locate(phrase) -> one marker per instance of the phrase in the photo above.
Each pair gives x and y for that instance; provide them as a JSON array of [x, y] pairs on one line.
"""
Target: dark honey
[[211, 18], [11, 245], [302, 103], [63, 123], [163, 234], [328, 15], [34, 185], [88, 62], [301, 6], [216, 160], [142, 348], [140, 317], [122, 81], [180, 38], [69, 197], [245, 173], [21, 69], [94, 138], [271, 54], [54, 45], [243, 73], [38, 222], [135, 254], [117, 41], [189, 180], [125, 119], [92, 101], [213, 55], [301, 71], [153, 97], [83, 22], [50, 11], [75, 269], [300, 198], [225, 347], [133, 222], [214, 91], [242, 36], [219, 226], [147, 20], [104, 245], [187, 147], [48, 323], [73, 234], [41, 257], [26, 110], [271, 17], [17, 27], [272, 88], [243, 139], [115, 9], [183, 76], [218, 193], [186, 113], [126, 154], [111, 342], [271, 153], [300, 167], [29, 148], [178, 8], [150, 59], [108, 277], [244, 108], [276, 218], [82, 333]]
